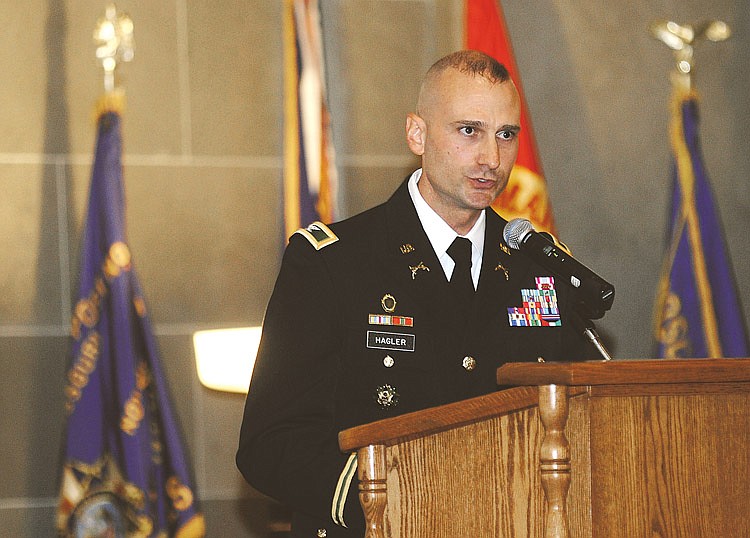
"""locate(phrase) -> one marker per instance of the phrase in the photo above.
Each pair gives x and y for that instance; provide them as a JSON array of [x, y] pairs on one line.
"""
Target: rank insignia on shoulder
[[318, 234]]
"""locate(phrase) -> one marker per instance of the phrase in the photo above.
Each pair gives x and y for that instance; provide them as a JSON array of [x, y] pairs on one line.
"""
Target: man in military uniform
[[367, 319]]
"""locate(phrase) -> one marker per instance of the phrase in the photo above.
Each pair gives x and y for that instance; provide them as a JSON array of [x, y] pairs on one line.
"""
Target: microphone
[[593, 295]]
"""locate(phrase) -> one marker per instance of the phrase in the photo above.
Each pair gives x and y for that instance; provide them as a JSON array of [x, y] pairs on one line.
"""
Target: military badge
[[388, 302], [539, 306], [501, 267], [398, 321], [386, 396], [414, 268]]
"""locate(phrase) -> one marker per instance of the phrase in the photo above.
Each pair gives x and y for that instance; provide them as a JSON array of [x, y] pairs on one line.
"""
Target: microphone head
[[515, 231]]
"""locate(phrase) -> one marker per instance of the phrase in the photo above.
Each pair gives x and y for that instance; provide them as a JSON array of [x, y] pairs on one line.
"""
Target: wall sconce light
[[225, 357]]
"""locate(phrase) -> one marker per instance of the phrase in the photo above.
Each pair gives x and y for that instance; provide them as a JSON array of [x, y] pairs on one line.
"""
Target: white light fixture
[[225, 357]]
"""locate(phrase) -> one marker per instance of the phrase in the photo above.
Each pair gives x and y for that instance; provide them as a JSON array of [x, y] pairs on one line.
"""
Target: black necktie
[[461, 284]]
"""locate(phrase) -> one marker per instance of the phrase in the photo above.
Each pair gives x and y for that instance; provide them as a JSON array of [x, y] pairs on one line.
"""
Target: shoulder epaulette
[[318, 234]]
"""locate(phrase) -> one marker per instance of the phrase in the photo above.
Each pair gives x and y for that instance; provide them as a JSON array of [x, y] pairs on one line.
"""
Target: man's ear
[[416, 133]]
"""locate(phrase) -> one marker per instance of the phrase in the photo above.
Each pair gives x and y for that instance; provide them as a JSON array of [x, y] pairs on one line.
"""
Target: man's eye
[[468, 130], [506, 135]]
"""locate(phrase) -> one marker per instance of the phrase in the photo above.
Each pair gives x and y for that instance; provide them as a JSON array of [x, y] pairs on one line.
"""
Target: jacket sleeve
[[288, 445]]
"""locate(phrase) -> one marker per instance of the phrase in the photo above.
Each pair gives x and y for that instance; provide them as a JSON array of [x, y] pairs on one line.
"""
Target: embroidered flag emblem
[[539, 308]]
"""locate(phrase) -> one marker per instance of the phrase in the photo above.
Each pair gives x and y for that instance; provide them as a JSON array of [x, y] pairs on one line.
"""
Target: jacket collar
[[413, 264]]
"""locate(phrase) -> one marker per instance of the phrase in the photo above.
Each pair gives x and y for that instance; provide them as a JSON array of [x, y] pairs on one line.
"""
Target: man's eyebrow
[[471, 123]]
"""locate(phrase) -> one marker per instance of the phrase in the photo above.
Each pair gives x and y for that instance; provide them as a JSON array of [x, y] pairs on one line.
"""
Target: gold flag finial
[[682, 40], [114, 39]]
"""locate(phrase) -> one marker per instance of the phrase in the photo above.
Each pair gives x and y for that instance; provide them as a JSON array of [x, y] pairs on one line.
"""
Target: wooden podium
[[627, 448]]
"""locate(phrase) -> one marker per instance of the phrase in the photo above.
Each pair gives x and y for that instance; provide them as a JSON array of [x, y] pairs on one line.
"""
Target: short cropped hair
[[470, 62]]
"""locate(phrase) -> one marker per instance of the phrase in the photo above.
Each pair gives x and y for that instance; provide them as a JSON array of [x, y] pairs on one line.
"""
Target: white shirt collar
[[441, 235]]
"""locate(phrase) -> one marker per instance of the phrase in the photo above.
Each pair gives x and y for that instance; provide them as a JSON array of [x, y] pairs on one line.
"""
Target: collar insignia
[[415, 268], [504, 248], [501, 267]]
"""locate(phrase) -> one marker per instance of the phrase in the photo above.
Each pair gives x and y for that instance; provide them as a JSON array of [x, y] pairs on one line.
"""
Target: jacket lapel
[[410, 260], [502, 272], [410, 263]]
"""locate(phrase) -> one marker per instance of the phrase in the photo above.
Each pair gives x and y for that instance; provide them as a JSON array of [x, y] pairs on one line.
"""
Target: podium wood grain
[[654, 449]]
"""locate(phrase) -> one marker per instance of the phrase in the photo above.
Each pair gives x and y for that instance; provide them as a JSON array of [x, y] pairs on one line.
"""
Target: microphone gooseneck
[[588, 329]]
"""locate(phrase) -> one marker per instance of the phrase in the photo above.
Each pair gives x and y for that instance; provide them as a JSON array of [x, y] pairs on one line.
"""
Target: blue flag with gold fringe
[[697, 311], [124, 470]]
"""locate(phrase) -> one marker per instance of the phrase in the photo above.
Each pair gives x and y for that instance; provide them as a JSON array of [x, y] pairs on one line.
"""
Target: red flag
[[526, 194]]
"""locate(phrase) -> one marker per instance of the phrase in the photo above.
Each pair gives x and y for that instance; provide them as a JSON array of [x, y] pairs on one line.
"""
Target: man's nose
[[489, 154]]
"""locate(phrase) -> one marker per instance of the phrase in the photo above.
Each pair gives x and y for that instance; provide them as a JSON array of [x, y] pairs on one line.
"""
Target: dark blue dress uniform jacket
[[317, 372]]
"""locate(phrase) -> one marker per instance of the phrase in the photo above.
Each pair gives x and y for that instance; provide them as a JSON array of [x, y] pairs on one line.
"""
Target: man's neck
[[461, 220]]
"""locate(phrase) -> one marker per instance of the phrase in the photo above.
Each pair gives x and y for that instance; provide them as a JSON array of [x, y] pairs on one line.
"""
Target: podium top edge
[[625, 372]]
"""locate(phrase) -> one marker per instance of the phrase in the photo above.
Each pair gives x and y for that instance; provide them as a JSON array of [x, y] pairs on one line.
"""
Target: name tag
[[393, 341]]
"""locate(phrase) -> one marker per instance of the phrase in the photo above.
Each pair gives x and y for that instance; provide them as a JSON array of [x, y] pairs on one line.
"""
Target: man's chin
[[481, 199]]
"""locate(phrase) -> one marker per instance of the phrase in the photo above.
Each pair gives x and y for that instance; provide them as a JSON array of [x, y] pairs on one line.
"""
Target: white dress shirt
[[441, 235]]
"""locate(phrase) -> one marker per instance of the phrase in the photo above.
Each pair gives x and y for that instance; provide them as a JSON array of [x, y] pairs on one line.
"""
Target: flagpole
[[682, 39], [114, 38]]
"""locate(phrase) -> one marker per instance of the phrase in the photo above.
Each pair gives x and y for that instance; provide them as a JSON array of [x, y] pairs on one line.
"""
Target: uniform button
[[322, 533], [469, 363], [388, 361]]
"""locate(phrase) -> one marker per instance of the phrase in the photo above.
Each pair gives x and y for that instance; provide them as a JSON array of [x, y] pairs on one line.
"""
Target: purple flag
[[124, 472], [698, 313]]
